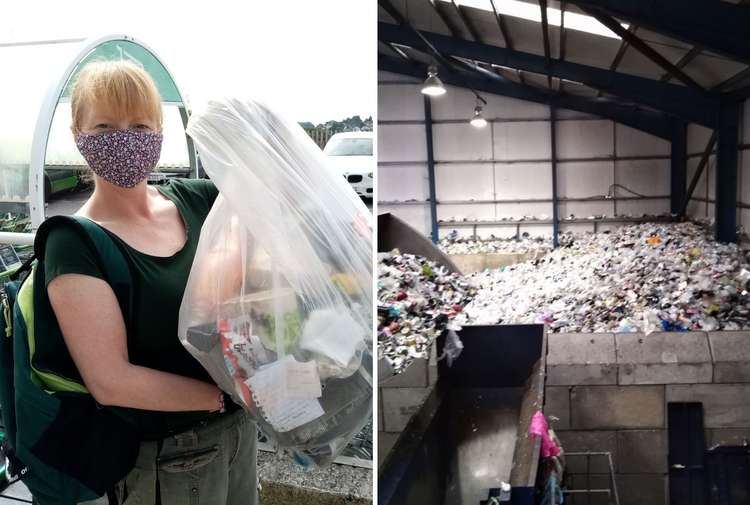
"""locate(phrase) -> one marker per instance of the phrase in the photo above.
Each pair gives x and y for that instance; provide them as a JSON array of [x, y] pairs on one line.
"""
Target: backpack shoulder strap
[[110, 256]]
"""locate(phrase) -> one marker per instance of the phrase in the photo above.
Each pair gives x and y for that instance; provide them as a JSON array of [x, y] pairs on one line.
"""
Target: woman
[[198, 446]]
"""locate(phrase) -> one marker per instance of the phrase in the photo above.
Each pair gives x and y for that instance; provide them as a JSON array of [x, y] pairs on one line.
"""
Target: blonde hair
[[121, 84]]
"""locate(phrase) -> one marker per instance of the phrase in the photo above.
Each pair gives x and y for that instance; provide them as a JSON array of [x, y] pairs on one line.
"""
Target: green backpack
[[63, 445]]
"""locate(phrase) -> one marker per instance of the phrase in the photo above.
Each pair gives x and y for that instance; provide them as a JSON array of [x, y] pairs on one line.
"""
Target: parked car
[[350, 154]]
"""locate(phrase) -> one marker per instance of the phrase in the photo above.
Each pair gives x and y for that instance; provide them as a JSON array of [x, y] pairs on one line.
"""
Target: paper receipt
[[287, 391]]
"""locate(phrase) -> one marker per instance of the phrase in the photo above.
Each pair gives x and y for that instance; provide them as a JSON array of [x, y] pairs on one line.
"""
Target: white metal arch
[[47, 112]]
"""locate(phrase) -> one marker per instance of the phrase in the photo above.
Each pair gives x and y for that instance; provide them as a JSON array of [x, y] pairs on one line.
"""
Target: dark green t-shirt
[[159, 283]]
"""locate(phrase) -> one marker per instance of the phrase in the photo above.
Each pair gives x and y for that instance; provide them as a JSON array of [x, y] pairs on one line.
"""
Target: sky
[[314, 60]]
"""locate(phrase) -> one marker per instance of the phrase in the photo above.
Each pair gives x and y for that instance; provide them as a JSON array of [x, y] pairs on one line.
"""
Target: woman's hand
[[97, 342]]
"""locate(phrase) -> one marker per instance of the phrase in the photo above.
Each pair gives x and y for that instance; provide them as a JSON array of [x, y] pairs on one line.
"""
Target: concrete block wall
[[400, 397], [609, 392]]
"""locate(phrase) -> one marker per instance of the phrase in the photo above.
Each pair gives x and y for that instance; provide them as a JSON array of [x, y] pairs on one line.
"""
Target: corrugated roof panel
[[711, 70]]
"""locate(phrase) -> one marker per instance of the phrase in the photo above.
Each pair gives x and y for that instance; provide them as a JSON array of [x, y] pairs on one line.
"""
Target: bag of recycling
[[278, 304]]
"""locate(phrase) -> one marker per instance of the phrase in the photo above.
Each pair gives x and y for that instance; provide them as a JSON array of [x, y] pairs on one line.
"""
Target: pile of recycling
[[417, 300], [452, 244], [646, 277]]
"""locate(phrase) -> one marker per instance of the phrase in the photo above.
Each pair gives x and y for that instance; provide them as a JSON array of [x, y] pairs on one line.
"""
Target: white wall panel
[[583, 139], [582, 210], [398, 183], [636, 208], [518, 210], [458, 181], [631, 142], [456, 103], [745, 176], [577, 228], [711, 174], [417, 216], [584, 179], [401, 143], [522, 141], [461, 141], [697, 138], [468, 212], [648, 177], [523, 180], [696, 209], [745, 219], [400, 102], [462, 232], [536, 230], [700, 188], [510, 108]]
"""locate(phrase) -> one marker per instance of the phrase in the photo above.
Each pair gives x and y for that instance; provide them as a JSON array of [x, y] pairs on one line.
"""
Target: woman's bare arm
[[97, 342]]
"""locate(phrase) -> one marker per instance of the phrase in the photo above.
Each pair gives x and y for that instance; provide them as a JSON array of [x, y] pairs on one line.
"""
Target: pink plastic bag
[[540, 429]]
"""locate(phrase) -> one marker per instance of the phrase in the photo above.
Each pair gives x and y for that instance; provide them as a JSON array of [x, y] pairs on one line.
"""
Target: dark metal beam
[[682, 62], [431, 169], [620, 52], [398, 51], [698, 172], [553, 147], [561, 49], [726, 172], [678, 167], [718, 26], [545, 37], [624, 44], [685, 103], [642, 47], [654, 123]]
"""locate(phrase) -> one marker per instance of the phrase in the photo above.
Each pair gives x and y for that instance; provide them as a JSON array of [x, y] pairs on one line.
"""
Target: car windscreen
[[349, 147]]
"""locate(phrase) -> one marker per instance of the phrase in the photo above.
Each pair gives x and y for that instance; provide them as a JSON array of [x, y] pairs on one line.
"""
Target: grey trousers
[[212, 464]]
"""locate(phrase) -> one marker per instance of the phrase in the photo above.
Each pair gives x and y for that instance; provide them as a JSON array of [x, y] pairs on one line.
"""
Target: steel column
[[431, 169], [553, 147], [726, 171], [678, 167]]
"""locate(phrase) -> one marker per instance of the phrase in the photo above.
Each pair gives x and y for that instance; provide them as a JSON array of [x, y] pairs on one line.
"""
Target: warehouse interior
[[591, 127]]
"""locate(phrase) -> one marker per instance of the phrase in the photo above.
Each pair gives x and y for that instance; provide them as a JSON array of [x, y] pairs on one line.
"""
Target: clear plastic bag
[[278, 305]]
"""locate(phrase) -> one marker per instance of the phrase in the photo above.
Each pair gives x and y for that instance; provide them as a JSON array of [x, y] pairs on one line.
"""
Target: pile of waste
[[452, 244], [647, 277], [417, 300]]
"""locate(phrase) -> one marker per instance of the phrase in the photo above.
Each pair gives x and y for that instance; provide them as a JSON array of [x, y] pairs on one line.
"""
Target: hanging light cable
[[433, 86], [478, 120]]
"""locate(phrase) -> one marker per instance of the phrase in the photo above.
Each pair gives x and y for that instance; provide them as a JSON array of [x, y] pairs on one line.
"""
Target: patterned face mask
[[122, 157]]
